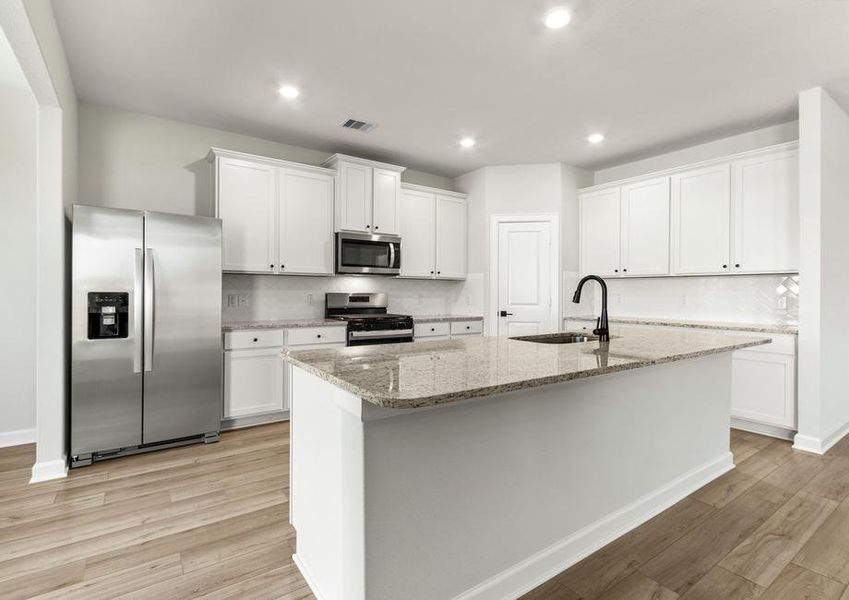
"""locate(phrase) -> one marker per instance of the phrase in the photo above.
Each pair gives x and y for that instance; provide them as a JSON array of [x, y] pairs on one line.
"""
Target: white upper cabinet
[[305, 209], [701, 202], [354, 200], [450, 237], [368, 194], [418, 233], [433, 233], [766, 213], [645, 228], [599, 232], [387, 199], [246, 205], [276, 216]]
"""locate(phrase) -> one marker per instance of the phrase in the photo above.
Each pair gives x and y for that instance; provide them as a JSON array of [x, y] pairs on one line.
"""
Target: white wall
[[131, 160], [547, 188], [750, 140], [824, 266], [18, 201]]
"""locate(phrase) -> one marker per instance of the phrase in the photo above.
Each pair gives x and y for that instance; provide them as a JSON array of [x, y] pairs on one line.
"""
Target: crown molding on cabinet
[[331, 163], [414, 187], [691, 166], [274, 162]]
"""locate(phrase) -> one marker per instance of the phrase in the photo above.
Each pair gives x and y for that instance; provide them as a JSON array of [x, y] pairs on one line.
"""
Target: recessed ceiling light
[[557, 18], [467, 142], [595, 138], [290, 92]]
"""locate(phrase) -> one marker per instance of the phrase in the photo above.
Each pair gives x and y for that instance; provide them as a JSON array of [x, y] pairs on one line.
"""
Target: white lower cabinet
[[444, 330], [256, 380]]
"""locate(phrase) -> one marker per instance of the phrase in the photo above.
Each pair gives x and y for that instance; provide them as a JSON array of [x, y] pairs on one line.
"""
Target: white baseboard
[[807, 443], [51, 469], [305, 573], [539, 568], [781, 433], [17, 438]]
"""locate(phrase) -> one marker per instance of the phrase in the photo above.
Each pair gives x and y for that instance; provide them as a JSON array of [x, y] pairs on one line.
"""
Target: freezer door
[[106, 344], [183, 358]]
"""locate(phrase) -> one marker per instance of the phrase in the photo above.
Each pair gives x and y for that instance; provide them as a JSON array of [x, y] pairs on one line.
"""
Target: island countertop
[[423, 374]]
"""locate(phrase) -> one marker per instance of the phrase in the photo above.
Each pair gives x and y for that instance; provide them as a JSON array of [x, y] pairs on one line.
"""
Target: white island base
[[490, 497]]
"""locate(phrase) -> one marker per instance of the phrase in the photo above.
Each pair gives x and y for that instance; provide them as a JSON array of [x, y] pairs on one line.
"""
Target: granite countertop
[[282, 324], [322, 322], [780, 328], [439, 372]]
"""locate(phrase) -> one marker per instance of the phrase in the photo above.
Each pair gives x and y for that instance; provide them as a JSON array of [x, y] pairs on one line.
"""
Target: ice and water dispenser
[[107, 315]]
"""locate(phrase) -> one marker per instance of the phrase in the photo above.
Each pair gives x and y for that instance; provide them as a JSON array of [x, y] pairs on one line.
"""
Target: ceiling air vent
[[358, 125]]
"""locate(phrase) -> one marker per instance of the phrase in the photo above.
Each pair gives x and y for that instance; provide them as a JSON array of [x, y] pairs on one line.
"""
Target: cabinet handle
[[367, 226], [737, 265], [319, 335], [724, 266], [433, 328], [256, 339], [282, 266], [272, 266], [624, 270], [376, 227], [439, 272], [431, 272], [467, 327], [615, 270]]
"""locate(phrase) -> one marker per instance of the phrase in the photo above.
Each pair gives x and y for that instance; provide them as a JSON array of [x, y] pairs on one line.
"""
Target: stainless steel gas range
[[367, 318]]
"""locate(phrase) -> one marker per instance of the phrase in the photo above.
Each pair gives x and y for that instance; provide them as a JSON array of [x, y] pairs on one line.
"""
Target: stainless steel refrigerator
[[146, 345]]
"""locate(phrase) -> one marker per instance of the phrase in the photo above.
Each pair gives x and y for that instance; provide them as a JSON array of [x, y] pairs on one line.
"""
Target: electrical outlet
[[618, 298], [782, 303], [310, 299], [243, 300], [683, 300], [232, 300]]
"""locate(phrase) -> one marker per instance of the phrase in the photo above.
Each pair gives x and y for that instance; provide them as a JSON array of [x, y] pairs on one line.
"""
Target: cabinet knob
[[467, 327], [439, 272], [376, 227], [367, 226], [431, 272], [737, 265], [256, 339], [624, 270], [272, 266], [319, 335], [615, 270], [433, 328], [282, 266], [724, 266]]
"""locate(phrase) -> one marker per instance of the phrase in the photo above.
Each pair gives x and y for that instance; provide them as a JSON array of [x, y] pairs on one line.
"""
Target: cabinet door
[[645, 228], [764, 388], [354, 197], [700, 220], [246, 207], [387, 198], [418, 234], [450, 238], [253, 382], [305, 232], [766, 213], [599, 232]]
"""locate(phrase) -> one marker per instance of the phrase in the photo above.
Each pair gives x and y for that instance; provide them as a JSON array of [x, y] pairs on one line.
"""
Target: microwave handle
[[392, 254]]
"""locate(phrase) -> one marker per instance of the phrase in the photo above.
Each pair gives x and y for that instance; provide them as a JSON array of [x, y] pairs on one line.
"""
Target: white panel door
[[418, 234], [599, 231], [524, 279], [387, 198], [766, 213], [450, 238], [354, 197], [701, 220], [645, 228], [253, 382], [305, 232], [246, 207]]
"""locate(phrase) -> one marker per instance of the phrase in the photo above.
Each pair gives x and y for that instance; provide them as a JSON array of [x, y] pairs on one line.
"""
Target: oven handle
[[386, 333]]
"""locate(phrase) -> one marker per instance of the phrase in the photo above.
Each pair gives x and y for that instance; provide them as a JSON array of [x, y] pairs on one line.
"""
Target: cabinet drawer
[[315, 335], [431, 329], [255, 338], [466, 327]]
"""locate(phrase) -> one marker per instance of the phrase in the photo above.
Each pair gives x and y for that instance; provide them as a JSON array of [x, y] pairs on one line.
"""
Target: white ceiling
[[652, 75]]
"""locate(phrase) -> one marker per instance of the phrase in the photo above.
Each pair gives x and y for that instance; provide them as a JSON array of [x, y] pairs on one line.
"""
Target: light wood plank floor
[[212, 521]]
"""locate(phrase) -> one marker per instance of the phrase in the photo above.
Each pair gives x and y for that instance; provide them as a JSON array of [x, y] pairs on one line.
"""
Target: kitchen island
[[479, 468]]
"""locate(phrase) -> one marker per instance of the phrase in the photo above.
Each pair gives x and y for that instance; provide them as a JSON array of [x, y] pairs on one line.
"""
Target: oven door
[[364, 253]]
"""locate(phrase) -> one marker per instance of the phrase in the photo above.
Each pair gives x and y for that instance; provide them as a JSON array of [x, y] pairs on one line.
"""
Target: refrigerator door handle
[[138, 290], [149, 315]]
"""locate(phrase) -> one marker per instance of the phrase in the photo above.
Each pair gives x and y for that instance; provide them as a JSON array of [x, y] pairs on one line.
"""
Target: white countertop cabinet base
[[383, 499]]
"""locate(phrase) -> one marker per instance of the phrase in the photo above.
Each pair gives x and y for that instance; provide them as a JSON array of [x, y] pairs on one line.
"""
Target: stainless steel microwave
[[368, 254]]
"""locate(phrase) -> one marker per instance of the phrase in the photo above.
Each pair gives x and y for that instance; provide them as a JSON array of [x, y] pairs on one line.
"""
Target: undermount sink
[[566, 337]]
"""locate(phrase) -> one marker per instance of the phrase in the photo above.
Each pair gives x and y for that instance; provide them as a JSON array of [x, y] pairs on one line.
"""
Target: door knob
[[504, 313]]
